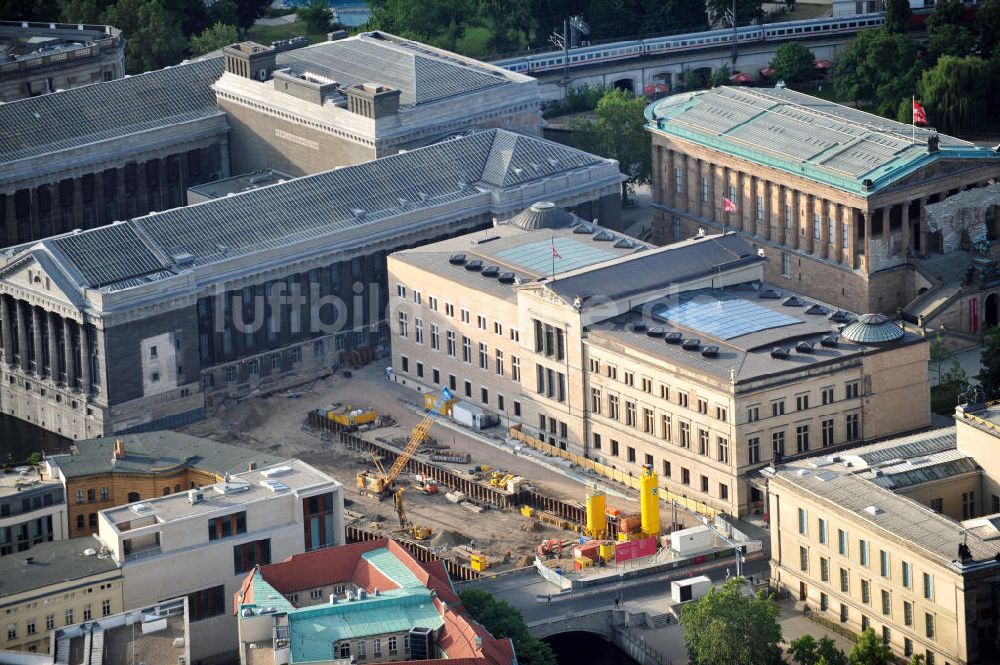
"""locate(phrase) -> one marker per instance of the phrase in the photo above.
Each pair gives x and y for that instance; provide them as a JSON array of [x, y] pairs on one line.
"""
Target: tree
[[619, 132], [916, 659], [955, 92], [29, 10], [82, 11], [154, 35], [877, 70], [937, 354], [316, 15], [747, 11], [502, 619], [949, 39], [897, 15], [989, 361], [248, 11], [213, 38], [871, 650], [808, 651], [794, 63], [988, 27], [727, 626], [720, 76]]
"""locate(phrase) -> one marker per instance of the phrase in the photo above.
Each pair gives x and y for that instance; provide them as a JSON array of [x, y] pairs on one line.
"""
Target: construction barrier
[[608, 472], [457, 571]]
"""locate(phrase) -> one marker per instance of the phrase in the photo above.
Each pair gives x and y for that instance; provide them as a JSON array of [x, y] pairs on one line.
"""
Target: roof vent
[[491, 271], [674, 337], [423, 196], [638, 326], [624, 243], [873, 510], [792, 301], [90, 551], [656, 332], [403, 202], [583, 228], [710, 351], [829, 341], [816, 309], [195, 496], [779, 352], [506, 278], [604, 236], [804, 347], [457, 259], [183, 259], [768, 294], [474, 266], [359, 213], [840, 316], [139, 507], [276, 471], [691, 344]]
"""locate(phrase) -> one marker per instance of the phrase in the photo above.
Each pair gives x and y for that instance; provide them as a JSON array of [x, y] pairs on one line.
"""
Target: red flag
[[555, 254], [727, 205], [919, 114]]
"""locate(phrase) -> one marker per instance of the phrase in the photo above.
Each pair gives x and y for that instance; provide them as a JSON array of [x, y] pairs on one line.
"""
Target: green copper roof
[[837, 145], [872, 329]]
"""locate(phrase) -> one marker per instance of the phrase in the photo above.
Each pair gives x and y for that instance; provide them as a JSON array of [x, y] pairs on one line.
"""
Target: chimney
[[119, 449]]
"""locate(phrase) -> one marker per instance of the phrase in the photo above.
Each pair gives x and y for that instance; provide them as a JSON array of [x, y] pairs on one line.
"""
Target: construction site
[[476, 499]]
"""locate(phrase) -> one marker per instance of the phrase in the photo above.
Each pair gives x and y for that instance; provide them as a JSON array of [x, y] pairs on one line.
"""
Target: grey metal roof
[[101, 111], [834, 144], [421, 74], [159, 245], [51, 563], [655, 269], [916, 445], [162, 450]]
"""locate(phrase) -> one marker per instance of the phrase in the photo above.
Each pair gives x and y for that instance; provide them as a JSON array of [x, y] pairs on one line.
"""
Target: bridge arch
[[626, 84], [598, 622]]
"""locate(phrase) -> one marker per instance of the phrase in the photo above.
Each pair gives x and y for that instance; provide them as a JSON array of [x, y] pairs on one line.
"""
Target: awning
[[823, 64], [740, 77], [768, 72]]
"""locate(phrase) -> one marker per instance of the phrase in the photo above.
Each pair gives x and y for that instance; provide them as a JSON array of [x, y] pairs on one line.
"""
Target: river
[[19, 438], [586, 648]]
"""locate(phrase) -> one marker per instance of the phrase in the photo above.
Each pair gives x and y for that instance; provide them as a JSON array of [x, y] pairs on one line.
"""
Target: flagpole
[[913, 119], [553, 256]]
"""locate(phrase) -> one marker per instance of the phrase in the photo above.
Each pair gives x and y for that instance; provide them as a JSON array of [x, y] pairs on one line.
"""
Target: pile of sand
[[448, 538]]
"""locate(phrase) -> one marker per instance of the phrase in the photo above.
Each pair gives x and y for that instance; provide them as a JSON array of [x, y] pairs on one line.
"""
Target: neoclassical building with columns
[[837, 198]]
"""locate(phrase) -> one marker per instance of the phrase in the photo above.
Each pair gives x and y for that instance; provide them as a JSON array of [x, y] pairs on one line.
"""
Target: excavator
[[378, 484], [406, 526]]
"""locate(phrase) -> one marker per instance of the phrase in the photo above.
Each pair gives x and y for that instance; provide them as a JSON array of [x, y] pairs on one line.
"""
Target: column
[[907, 234], [782, 235], [7, 329], [36, 334], [692, 187], [823, 210], [141, 189], [34, 221], [923, 226], [866, 219], [768, 196], [809, 243], [69, 353], [725, 217], [667, 176], [11, 220], [838, 231], [100, 209], [78, 201], [52, 325], [657, 174], [183, 175], [121, 192], [224, 158], [85, 359], [22, 336], [755, 210], [713, 199], [164, 185]]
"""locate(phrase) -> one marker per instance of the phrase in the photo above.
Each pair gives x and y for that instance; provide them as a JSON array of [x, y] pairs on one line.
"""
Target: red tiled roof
[[321, 567]]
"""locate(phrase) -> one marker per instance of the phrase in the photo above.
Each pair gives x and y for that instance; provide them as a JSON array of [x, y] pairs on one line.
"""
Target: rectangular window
[[845, 580], [822, 531], [207, 603], [595, 400], [886, 602], [968, 505], [824, 569], [753, 413], [678, 181], [842, 542], [853, 427], [827, 429], [722, 444], [685, 476], [702, 441], [803, 522], [515, 368], [449, 310], [403, 325], [863, 552], [826, 395], [484, 356], [801, 438], [704, 190], [778, 444], [666, 430], [804, 559], [435, 337], [685, 430], [248, 555], [466, 349], [778, 408], [50, 621], [760, 207], [928, 586], [851, 390], [704, 484], [630, 413], [225, 526], [907, 571], [647, 421], [614, 447], [68, 616], [666, 469], [817, 226], [786, 264], [937, 505], [883, 560], [801, 402], [824, 602], [866, 592], [418, 331], [907, 613], [753, 450], [630, 454], [613, 407], [105, 608], [788, 217], [929, 624]]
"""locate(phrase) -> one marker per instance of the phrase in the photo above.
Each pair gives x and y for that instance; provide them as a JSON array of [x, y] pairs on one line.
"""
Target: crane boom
[[417, 436]]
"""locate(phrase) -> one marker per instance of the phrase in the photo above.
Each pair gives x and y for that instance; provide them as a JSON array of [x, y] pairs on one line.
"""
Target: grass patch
[[802, 12], [265, 34], [473, 42], [944, 397]]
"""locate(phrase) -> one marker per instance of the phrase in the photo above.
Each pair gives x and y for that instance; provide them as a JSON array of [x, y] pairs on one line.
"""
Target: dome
[[872, 329], [543, 215]]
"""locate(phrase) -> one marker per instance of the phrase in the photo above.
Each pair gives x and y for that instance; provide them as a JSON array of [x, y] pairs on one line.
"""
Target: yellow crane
[[380, 483], [416, 530]]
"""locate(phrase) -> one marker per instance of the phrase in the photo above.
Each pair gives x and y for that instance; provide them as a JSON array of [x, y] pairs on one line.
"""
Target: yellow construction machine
[[379, 483], [418, 531]]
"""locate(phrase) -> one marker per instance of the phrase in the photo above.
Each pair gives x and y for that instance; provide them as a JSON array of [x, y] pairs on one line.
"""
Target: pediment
[[35, 271]]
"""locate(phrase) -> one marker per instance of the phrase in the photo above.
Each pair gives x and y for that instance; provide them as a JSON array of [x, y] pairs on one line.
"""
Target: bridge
[[635, 74]]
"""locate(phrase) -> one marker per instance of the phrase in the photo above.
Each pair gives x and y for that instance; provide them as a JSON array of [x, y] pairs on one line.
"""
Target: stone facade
[[62, 56]]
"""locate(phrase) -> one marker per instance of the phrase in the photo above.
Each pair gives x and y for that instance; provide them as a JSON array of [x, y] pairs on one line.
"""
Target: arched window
[[133, 496]]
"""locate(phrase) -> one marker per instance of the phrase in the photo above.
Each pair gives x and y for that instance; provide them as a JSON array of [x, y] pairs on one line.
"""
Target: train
[[542, 63]]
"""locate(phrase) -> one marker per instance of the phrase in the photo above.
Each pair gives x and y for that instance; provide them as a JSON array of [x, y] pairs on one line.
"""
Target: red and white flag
[[919, 114], [727, 205], [555, 253]]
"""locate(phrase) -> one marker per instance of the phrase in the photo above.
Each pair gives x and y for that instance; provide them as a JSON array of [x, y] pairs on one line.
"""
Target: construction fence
[[608, 472]]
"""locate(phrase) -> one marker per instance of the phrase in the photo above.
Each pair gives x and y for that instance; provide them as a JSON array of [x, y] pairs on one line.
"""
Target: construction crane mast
[[380, 483]]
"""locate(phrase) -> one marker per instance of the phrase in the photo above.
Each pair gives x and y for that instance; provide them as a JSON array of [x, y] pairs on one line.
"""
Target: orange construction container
[[612, 512]]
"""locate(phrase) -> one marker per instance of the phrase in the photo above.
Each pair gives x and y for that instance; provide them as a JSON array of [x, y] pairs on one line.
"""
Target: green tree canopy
[[794, 63], [897, 15], [871, 650], [154, 34], [504, 620], [954, 92], [747, 11], [29, 10], [988, 27], [877, 71], [214, 37], [949, 39], [82, 11], [316, 15], [248, 11], [618, 132], [989, 362], [806, 650], [727, 626]]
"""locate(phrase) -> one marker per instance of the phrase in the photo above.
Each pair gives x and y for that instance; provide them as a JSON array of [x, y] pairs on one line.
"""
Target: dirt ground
[[277, 425]]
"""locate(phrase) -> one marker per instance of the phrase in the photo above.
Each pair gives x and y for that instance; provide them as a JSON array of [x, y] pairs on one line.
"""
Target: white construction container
[[692, 588], [472, 416], [693, 540]]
